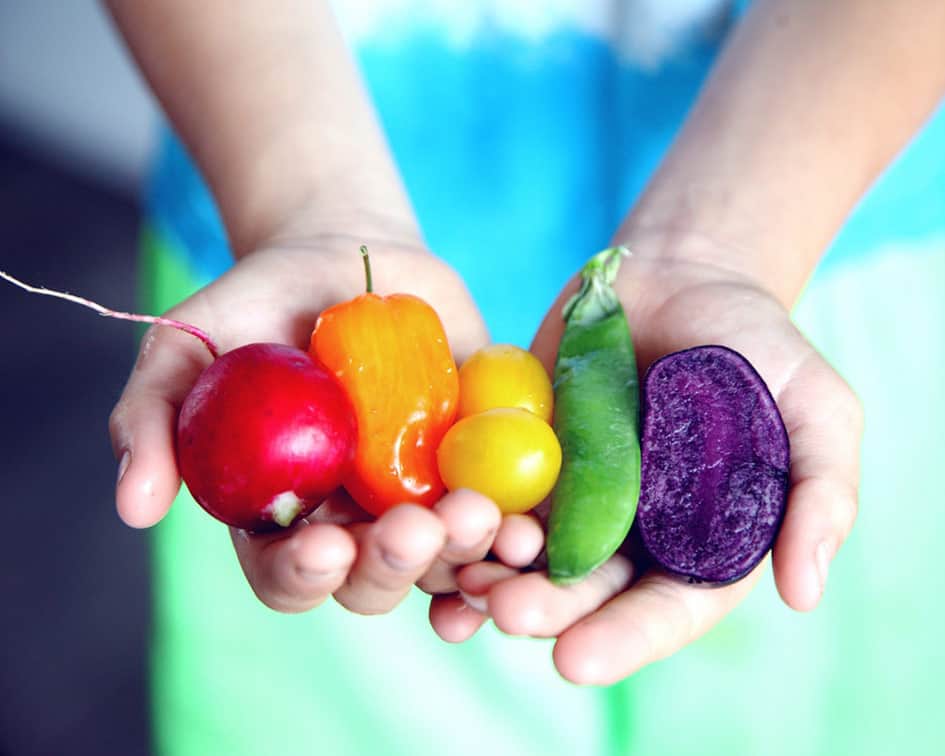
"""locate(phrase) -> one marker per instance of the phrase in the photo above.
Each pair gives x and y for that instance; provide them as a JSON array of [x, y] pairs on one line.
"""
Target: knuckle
[[372, 591], [851, 410], [659, 638], [847, 505], [640, 637], [271, 583], [148, 343], [614, 575], [117, 421], [840, 499], [507, 616], [827, 503]]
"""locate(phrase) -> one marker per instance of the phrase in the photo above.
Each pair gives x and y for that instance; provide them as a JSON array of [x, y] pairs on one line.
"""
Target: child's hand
[[276, 294], [620, 619], [368, 564], [517, 546]]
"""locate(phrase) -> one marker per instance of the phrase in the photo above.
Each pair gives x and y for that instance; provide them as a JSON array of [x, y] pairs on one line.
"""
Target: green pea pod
[[597, 422]]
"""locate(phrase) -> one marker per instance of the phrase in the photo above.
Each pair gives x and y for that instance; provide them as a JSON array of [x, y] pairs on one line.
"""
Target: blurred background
[[76, 126]]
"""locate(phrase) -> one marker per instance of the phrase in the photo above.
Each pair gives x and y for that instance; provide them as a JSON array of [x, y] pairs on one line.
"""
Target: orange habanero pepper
[[392, 357]]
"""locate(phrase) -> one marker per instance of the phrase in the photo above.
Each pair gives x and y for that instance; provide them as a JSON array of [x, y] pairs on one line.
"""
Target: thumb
[[143, 424]]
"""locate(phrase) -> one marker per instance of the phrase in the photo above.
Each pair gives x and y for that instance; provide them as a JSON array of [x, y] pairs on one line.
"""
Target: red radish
[[265, 434]]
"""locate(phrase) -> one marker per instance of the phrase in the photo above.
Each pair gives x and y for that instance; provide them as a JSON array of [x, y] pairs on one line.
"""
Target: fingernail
[[123, 465], [478, 603], [822, 557]]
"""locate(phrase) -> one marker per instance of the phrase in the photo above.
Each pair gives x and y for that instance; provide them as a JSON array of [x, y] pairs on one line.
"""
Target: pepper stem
[[369, 284], [104, 311]]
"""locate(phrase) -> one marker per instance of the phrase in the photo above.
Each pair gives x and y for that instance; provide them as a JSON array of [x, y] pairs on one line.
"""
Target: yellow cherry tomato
[[502, 375], [508, 454]]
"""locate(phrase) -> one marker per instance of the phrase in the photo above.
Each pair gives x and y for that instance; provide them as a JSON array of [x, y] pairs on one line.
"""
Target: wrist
[[340, 227], [314, 240], [326, 257], [300, 192], [718, 251]]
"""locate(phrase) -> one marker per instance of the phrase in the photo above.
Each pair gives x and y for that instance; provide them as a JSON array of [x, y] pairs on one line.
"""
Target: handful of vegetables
[[378, 406], [387, 370], [711, 475]]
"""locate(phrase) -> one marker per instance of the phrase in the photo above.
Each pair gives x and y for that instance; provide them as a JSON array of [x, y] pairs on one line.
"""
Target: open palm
[[275, 295], [623, 617]]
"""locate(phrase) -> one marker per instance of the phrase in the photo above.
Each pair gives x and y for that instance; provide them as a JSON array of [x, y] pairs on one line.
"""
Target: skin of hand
[[275, 294], [625, 616], [734, 177], [273, 110], [785, 138]]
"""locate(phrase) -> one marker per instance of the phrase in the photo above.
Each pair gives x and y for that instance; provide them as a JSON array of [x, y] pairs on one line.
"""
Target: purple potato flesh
[[715, 462]]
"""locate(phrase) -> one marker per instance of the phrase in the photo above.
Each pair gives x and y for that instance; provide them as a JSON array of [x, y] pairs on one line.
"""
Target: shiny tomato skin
[[508, 454], [503, 375]]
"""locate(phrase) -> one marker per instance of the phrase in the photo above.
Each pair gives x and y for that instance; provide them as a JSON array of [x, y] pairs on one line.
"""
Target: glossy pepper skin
[[392, 357]]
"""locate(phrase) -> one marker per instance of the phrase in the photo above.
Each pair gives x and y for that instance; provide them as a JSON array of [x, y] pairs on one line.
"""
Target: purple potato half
[[715, 461]]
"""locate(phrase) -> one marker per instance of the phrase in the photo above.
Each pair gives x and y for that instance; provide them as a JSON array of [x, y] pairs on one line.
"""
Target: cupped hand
[[626, 615], [275, 295]]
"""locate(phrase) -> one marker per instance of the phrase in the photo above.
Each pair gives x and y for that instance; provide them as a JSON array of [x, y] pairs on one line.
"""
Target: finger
[[453, 619], [297, 571], [825, 425], [532, 605], [340, 509], [519, 541], [142, 424], [393, 553], [476, 580], [471, 521], [653, 619]]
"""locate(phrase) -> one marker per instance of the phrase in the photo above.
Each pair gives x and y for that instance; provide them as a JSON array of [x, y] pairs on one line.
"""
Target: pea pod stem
[[596, 298]]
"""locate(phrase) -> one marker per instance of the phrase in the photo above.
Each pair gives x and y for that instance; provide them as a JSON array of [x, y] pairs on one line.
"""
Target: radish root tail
[[197, 333]]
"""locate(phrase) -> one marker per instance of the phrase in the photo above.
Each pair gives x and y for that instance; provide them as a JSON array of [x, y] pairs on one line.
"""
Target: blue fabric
[[519, 159], [184, 212], [906, 204], [522, 156], [521, 162]]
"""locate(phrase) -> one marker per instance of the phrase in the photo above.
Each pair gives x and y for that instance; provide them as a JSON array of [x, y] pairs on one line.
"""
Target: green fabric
[[164, 278], [232, 677], [858, 676]]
